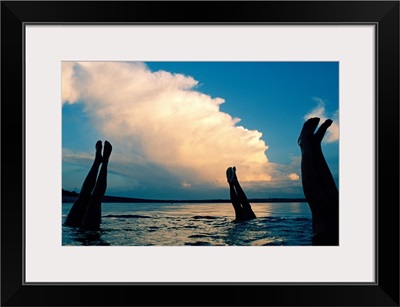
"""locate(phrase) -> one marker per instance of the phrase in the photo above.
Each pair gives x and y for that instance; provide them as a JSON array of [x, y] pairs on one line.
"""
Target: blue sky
[[176, 126]]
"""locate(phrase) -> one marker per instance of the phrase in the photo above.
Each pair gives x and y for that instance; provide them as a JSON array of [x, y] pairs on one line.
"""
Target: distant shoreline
[[70, 197]]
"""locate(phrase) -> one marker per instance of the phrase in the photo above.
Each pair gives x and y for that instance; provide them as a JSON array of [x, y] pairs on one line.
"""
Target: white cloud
[[332, 134], [159, 119], [293, 176]]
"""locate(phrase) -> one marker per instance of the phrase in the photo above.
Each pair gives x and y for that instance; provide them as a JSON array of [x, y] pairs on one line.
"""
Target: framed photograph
[[241, 153]]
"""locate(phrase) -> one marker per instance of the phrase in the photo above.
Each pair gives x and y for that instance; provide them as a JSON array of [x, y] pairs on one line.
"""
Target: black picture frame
[[383, 14]]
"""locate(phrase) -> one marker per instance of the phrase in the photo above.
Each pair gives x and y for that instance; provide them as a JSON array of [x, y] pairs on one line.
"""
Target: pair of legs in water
[[319, 186], [86, 211], [240, 203]]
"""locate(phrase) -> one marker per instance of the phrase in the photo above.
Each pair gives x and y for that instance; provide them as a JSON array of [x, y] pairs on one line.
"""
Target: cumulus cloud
[[293, 176], [332, 134], [160, 119]]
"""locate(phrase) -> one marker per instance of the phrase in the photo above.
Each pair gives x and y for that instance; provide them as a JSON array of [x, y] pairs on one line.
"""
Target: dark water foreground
[[208, 224]]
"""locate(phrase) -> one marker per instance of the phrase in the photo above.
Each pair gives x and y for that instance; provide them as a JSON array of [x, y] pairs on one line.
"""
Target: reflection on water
[[295, 207], [84, 237], [195, 225]]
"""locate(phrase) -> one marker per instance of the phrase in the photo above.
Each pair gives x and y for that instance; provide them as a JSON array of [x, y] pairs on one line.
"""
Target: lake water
[[194, 224]]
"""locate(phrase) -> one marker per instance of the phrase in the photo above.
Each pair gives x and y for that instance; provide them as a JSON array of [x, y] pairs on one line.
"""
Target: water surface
[[194, 224]]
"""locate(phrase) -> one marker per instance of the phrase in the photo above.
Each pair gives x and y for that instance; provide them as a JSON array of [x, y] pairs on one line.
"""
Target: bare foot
[[229, 174], [107, 151], [307, 133], [307, 136], [234, 178], [319, 135], [99, 147]]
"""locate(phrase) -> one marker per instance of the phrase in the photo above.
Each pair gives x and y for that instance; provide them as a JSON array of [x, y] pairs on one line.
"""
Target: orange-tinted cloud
[[162, 119]]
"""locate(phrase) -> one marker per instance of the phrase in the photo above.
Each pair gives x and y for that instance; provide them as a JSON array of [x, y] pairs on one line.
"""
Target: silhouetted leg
[[239, 213], [310, 179], [92, 219], [330, 214], [78, 209], [318, 184], [248, 211], [324, 172]]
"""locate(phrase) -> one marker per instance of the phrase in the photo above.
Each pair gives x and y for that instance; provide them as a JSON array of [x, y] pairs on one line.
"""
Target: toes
[[311, 124], [229, 174], [308, 129], [98, 145], [98, 150], [234, 177], [107, 149], [319, 135]]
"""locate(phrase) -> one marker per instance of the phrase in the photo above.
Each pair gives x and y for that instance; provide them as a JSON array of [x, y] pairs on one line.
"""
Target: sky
[[175, 127]]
